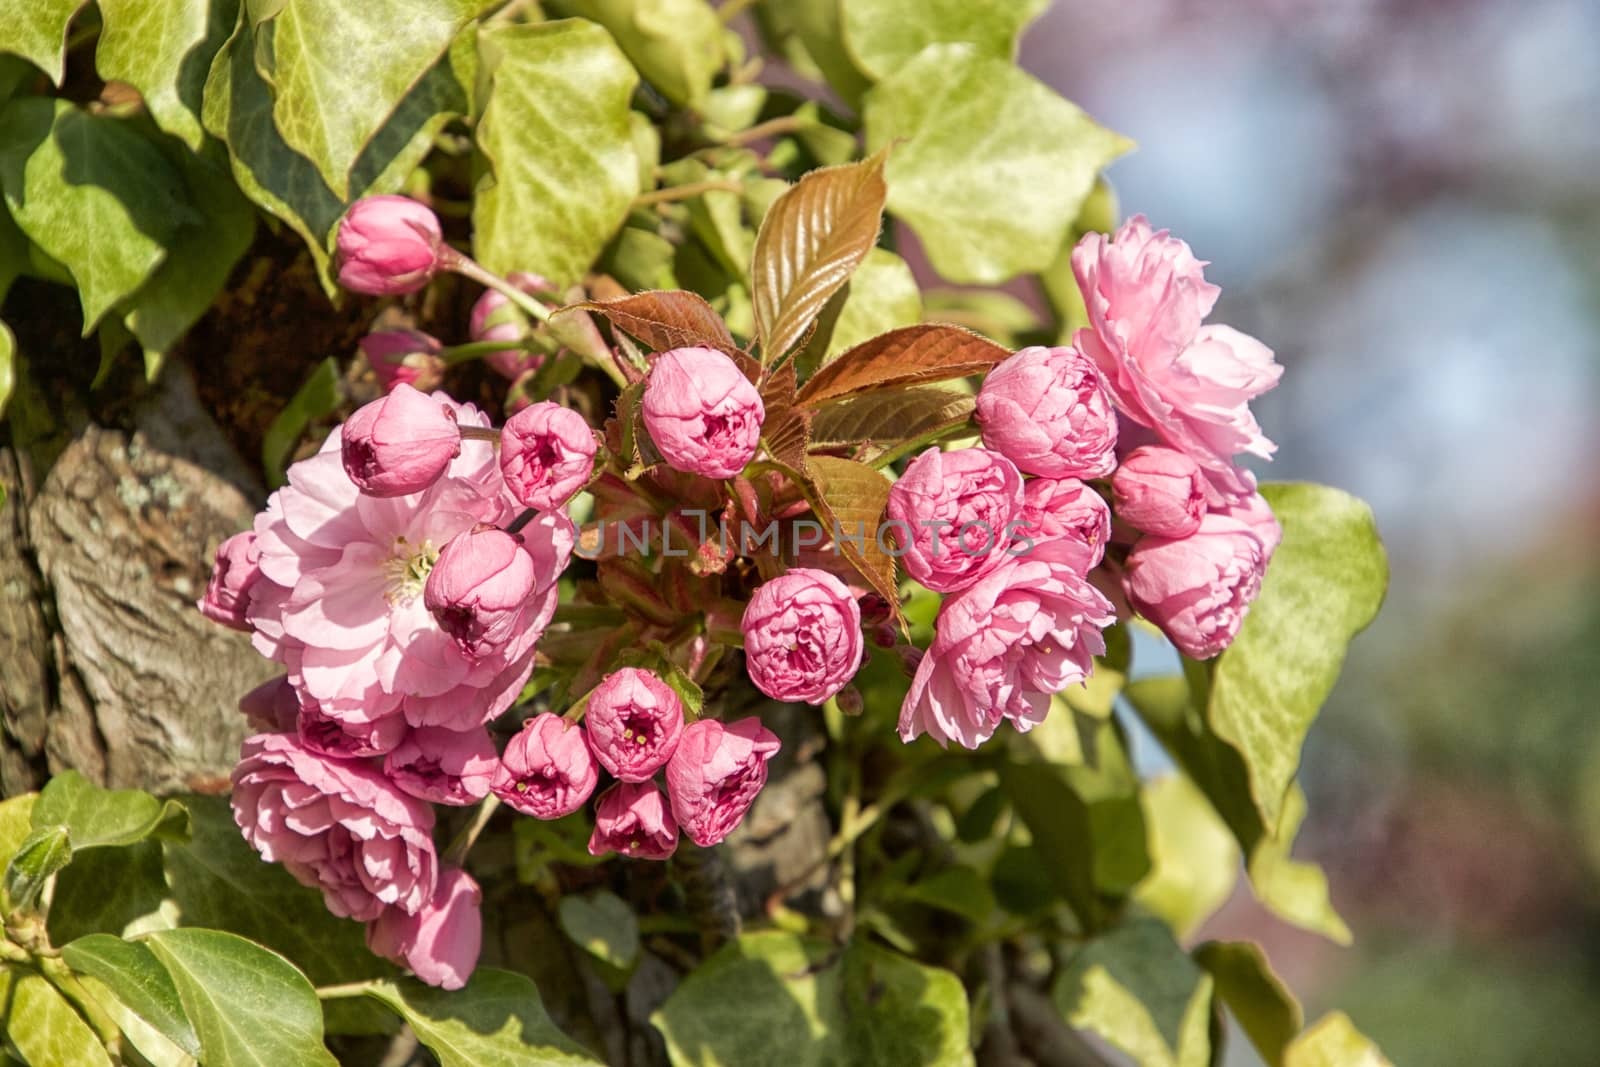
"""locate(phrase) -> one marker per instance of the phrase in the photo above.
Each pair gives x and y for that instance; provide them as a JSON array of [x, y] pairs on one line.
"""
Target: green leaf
[[882, 295], [1334, 1042], [1294, 890], [16, 823], [1136, 989], [91, 192], [8, 369], [558, 140], [44, 1028], [497, 1020], [15, 253], [218, 881], [317, 397], [131, 971], [110, 891], [818, 1004], [817, 25], [163, 48], [248, 1005], [1323, 586], [41, 855], [1194, 859], [198, 261], [36, 30], [993, 166], [604, 926], [811, 241], [958, 890], [882, 35], [98, 818], [676, 44], [912, 355], [1266, 1010], [339, 69]]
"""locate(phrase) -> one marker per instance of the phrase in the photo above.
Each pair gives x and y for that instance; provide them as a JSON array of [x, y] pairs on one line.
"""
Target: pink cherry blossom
[[400, 443], [703, 414], [388, 245], [547, 770], [1198, 589], [235, 571], [1046, 410], [632, 818], [444, 766], [634, 721], [441, 941], [1064, 507], [404, 357], [1160, 491], [954, 515], [546, 454], [715, 775], [802, 636]]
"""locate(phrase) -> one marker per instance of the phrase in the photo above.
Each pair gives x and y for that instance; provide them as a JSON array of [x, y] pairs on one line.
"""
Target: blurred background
[[1403, 200]]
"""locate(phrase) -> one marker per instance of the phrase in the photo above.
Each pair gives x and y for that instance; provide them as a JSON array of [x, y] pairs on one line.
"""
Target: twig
[[685, 192], [456, 854]]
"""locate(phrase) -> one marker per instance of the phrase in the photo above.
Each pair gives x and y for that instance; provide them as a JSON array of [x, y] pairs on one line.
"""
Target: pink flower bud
[[714, 776], [1046, 410], [272, 707], [347, 739], [547, 770], [408, 356], [702, 412], [546, 454], [632, 818], [388, 245], [802, 636], [444, 766], [954, 515], [496, 318], [441, 942], [237, 568], [1197, 588], [1065, 507], [479, 588], [634, 721], [1160, 491], [400, 444]]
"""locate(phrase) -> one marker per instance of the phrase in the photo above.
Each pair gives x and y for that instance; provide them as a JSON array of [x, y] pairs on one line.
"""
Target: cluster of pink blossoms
[[1026, 529], [406, 573]]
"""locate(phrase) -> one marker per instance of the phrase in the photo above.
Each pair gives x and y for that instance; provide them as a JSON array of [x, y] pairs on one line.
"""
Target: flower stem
[[346, 991], [463, 353], [933, 436], [468, 267], [771, 128], [480, 433], [456, 854]]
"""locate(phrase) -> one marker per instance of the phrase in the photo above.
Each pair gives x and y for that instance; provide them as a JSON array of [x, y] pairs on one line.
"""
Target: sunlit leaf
[[163, 48], [43, 1025], [882, 35], [37, 31], [676, 44], [497, 1020], [891, 416], [1194, 859], [912, 355], [131, 971], [1334, 1042], [1245, 982], [666, 319]]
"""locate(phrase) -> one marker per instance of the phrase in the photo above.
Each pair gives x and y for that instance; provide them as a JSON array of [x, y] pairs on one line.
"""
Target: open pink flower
[[702, 413], [634, 721], [388, 245], [1046, 410], [715, 775], [1064, 507], [236, 569], [546, 454], [802, 636], [1146, 296], [1003, 646], [347, 738], [954, 515], [632, 818], [340, 601], [441, 941], [401, 443], [547, 770], [1197, 588], [444, 766], [337, 825]]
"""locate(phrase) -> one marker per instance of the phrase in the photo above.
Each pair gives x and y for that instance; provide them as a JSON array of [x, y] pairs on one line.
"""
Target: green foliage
[[37, 31], [136, 977], [497, 1020], [1135, 988], [772, 991], [164, 50], [43, 1026], [883, 35], [316, 398]]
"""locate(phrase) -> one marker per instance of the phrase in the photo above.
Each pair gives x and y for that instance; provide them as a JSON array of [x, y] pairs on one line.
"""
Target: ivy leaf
[[109, 891], [198, 262], [98, 818], [248, 1004], [994, 165], [496, 1020], [881, 295], [882, 35], [164, 50], [8, 369], [676, 44], [132, 973], [1135, 988], [92, 193], [1294, 890], [37, 31], [1194, 859], [604, 926], [1266, 1010], [41, 854], [811, 241], [559, 145], [315, 398], [912, 355], [817, 26], [891, 416], [665, 319], [776, 990], [1324, 585], [849, 497], [1334, 1042], [340, 68], [43, 1026]]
